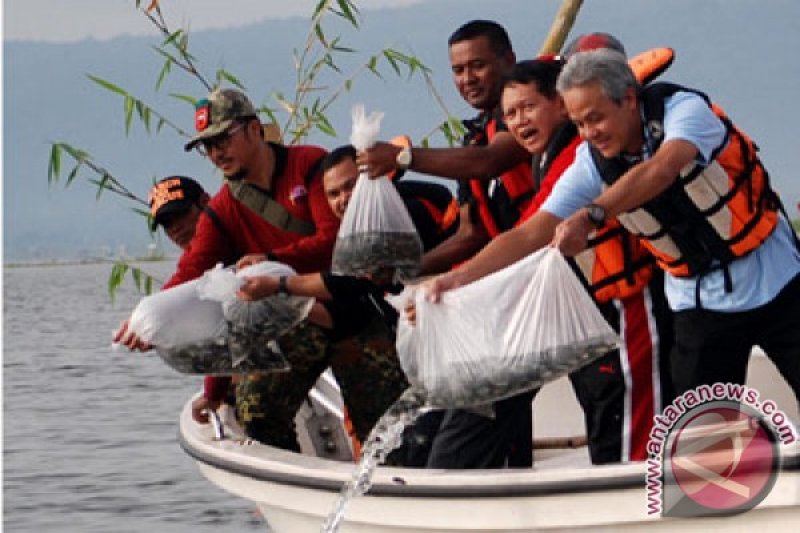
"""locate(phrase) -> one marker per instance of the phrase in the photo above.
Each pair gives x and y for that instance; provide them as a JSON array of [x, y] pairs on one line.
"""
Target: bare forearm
[[648, 179], [469, 162], [459, 247], [310, 285], [510, 247]]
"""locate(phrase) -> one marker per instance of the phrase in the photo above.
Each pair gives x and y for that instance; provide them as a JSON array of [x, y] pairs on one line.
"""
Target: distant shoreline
[[79, 262]]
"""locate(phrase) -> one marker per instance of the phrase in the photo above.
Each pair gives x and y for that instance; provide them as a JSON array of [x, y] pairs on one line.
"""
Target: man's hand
[[257, 287], [572, 235], [130, 339], [200, 408], [378, 160], [440, 284], [250, 259]]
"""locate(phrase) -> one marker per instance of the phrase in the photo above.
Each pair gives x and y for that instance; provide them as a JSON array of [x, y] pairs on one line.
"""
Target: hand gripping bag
[[376, 232], [509, 332], [200, 327]]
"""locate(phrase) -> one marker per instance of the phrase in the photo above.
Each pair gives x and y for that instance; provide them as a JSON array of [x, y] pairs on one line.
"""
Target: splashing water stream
[[385, 437]]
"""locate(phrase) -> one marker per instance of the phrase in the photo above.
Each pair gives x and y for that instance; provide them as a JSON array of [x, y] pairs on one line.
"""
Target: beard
[[239, 175]]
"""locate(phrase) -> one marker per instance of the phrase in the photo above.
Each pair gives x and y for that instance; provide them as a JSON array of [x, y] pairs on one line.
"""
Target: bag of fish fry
[[201, 327], [377, 235], [541, 324]]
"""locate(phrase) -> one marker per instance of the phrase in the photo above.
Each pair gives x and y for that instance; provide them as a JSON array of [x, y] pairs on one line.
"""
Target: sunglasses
[[220, 142]]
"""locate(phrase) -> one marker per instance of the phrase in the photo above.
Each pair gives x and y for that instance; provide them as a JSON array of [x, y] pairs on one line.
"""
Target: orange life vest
[[614, 265], [517, 183], [710, 215]]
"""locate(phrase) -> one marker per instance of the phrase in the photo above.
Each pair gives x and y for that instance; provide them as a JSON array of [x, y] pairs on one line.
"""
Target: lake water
[[89, 435]]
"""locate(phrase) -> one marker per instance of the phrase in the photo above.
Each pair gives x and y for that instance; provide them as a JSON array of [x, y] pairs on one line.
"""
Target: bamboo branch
[[561, 27]]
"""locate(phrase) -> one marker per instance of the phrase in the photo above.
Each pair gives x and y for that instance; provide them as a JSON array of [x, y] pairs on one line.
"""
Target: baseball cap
[[593, 41], [175, 194], [215, 113]]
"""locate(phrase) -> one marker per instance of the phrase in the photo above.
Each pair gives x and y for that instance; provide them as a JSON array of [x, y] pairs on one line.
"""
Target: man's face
[[478, 72], [233, 151], [180, 227], [610, 127], [339, 182], [531, 117]]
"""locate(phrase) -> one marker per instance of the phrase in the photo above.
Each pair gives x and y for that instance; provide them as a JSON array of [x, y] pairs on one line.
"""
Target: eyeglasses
[[220, 142]]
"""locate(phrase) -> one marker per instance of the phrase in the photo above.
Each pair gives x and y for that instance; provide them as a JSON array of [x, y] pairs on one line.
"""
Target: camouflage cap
[[214, 114]]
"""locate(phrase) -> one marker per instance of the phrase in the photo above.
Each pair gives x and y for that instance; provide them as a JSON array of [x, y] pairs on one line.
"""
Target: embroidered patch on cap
[[202, 113]]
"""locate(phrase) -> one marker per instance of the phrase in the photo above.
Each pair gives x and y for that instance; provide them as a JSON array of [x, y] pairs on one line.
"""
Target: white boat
[[295, 492]]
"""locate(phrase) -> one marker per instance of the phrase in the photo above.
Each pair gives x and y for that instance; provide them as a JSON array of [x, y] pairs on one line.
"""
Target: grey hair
[[608, 67]]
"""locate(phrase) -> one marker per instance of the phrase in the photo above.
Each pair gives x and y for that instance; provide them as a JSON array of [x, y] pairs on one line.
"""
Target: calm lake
[[89, 435]]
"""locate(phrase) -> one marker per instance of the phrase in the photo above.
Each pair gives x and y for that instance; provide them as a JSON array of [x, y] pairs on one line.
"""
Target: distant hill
[[742, 52]]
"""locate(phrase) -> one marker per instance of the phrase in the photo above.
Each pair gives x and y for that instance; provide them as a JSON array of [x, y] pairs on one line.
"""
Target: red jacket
[[246, 232]]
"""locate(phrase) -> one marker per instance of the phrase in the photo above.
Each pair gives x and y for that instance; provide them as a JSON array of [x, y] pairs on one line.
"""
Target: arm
[[468, 239], [467, 162], [258, 287], [505, 249], [640, 184]]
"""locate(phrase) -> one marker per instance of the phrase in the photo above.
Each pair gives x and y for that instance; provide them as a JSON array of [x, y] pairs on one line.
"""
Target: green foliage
[[143, 281], [298, 114]]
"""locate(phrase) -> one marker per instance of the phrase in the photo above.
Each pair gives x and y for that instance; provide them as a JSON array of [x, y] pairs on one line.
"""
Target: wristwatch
[[404, 158], [597, 215], [283, 288]]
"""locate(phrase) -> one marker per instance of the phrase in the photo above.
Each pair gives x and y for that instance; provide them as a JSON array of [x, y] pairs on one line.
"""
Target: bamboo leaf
[[163, 74], [348, 10], [148, 285], [107, 85], [188, 99], [224, 74], [102, 185], [118, 272], [172, 37], [324, 125], [73, 174], [54, 168], [136, 274], [392, 61], [129, 105], [320, 35]]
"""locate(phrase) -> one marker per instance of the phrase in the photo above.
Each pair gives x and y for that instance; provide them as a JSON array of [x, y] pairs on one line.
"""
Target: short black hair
[[336, 156], [494, 33], [542, 72]]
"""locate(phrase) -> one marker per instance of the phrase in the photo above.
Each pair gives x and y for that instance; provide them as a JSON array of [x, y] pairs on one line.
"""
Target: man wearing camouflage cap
[[272, 203]]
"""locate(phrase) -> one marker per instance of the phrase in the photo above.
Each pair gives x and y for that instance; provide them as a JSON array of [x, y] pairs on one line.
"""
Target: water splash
[[385, 437]]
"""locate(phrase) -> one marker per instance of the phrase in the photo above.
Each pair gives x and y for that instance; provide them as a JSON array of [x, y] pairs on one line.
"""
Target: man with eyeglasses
[[272, 202]]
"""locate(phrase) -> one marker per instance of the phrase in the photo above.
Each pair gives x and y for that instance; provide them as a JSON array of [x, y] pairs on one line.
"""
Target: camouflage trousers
[[365, 366]]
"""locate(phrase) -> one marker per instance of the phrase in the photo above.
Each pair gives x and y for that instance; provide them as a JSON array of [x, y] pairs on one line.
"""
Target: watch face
[[597, 215], [404, 158]]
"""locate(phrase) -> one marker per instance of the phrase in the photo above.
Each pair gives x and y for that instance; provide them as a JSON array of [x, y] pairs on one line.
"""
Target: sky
[[73, 20]]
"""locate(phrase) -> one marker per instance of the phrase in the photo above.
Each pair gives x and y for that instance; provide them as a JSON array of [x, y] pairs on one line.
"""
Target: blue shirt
[[757, 278]]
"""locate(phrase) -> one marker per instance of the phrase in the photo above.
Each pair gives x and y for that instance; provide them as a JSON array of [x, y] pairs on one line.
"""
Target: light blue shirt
[[757, 278]]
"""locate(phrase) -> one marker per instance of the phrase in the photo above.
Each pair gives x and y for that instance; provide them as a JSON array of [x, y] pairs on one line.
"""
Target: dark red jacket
[[244, 232]]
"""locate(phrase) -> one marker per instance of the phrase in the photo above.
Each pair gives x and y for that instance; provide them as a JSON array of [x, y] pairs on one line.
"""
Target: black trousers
[[712, 346], [468, 440]]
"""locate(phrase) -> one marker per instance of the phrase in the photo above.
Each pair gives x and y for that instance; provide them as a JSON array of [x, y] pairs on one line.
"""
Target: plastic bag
[[200, 327], [541, 324], [254, 325], [376, 232]]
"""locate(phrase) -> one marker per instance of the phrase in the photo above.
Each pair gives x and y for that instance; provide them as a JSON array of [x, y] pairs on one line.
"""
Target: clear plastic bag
[[201, 327], [541, 324], [376, 232]]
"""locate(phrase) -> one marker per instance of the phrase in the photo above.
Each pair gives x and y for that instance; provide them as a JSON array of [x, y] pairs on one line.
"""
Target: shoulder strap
[[273, 212], [222, 229]]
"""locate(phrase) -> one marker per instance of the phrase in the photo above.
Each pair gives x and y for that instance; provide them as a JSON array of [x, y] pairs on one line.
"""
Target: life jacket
[[710, 215], [614, 265], [517, 184], [433, 209]]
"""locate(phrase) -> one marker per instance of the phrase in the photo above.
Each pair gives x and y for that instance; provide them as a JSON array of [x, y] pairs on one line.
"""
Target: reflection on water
[[89, 435]]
